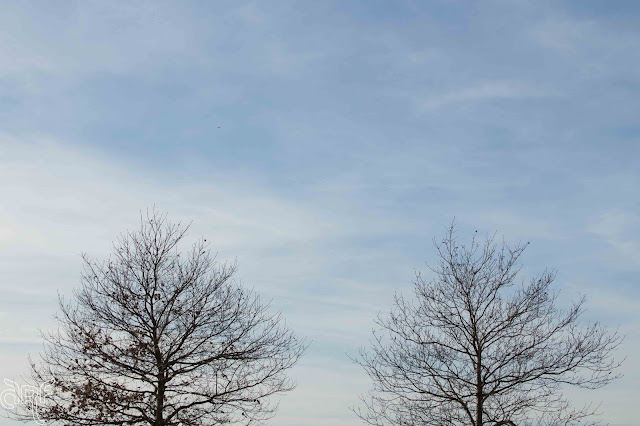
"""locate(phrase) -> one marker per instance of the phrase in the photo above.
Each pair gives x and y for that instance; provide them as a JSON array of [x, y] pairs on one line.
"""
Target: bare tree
[[474, 347], [159, 337]]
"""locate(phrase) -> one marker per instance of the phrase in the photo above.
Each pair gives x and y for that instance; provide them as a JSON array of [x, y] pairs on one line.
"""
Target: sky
[[323, 145]]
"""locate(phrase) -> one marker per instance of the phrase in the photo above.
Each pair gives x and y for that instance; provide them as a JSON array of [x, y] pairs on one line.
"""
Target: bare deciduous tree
[[473, 347], [159, 337]]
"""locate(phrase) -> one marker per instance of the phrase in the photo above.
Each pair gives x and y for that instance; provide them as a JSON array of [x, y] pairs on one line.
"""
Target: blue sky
[[323, 145]]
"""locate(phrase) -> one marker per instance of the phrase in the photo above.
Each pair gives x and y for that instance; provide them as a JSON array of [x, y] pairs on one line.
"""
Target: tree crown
[[162, 337], [476, 346]]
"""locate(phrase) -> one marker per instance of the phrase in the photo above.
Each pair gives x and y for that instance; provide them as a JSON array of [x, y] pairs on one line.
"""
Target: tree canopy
[[161, 337], [477, 346]]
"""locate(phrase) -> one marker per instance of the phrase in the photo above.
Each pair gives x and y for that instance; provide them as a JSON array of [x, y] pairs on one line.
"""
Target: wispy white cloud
[[93, 37], [620, 230], [563, 35], [488, 91]]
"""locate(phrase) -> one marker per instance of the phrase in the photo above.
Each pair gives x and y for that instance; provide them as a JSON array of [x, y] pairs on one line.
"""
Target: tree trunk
[[159, 421], [479, 390]]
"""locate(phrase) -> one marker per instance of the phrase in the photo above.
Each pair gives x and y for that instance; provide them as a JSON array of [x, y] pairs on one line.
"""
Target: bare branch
[[473, 347], [159, 337]]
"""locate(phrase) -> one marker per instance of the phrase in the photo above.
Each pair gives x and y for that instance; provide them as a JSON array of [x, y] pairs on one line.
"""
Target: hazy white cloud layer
[[323, 145]]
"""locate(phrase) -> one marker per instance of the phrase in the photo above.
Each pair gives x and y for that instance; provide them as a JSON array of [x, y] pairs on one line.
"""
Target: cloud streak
[[489, 91]]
